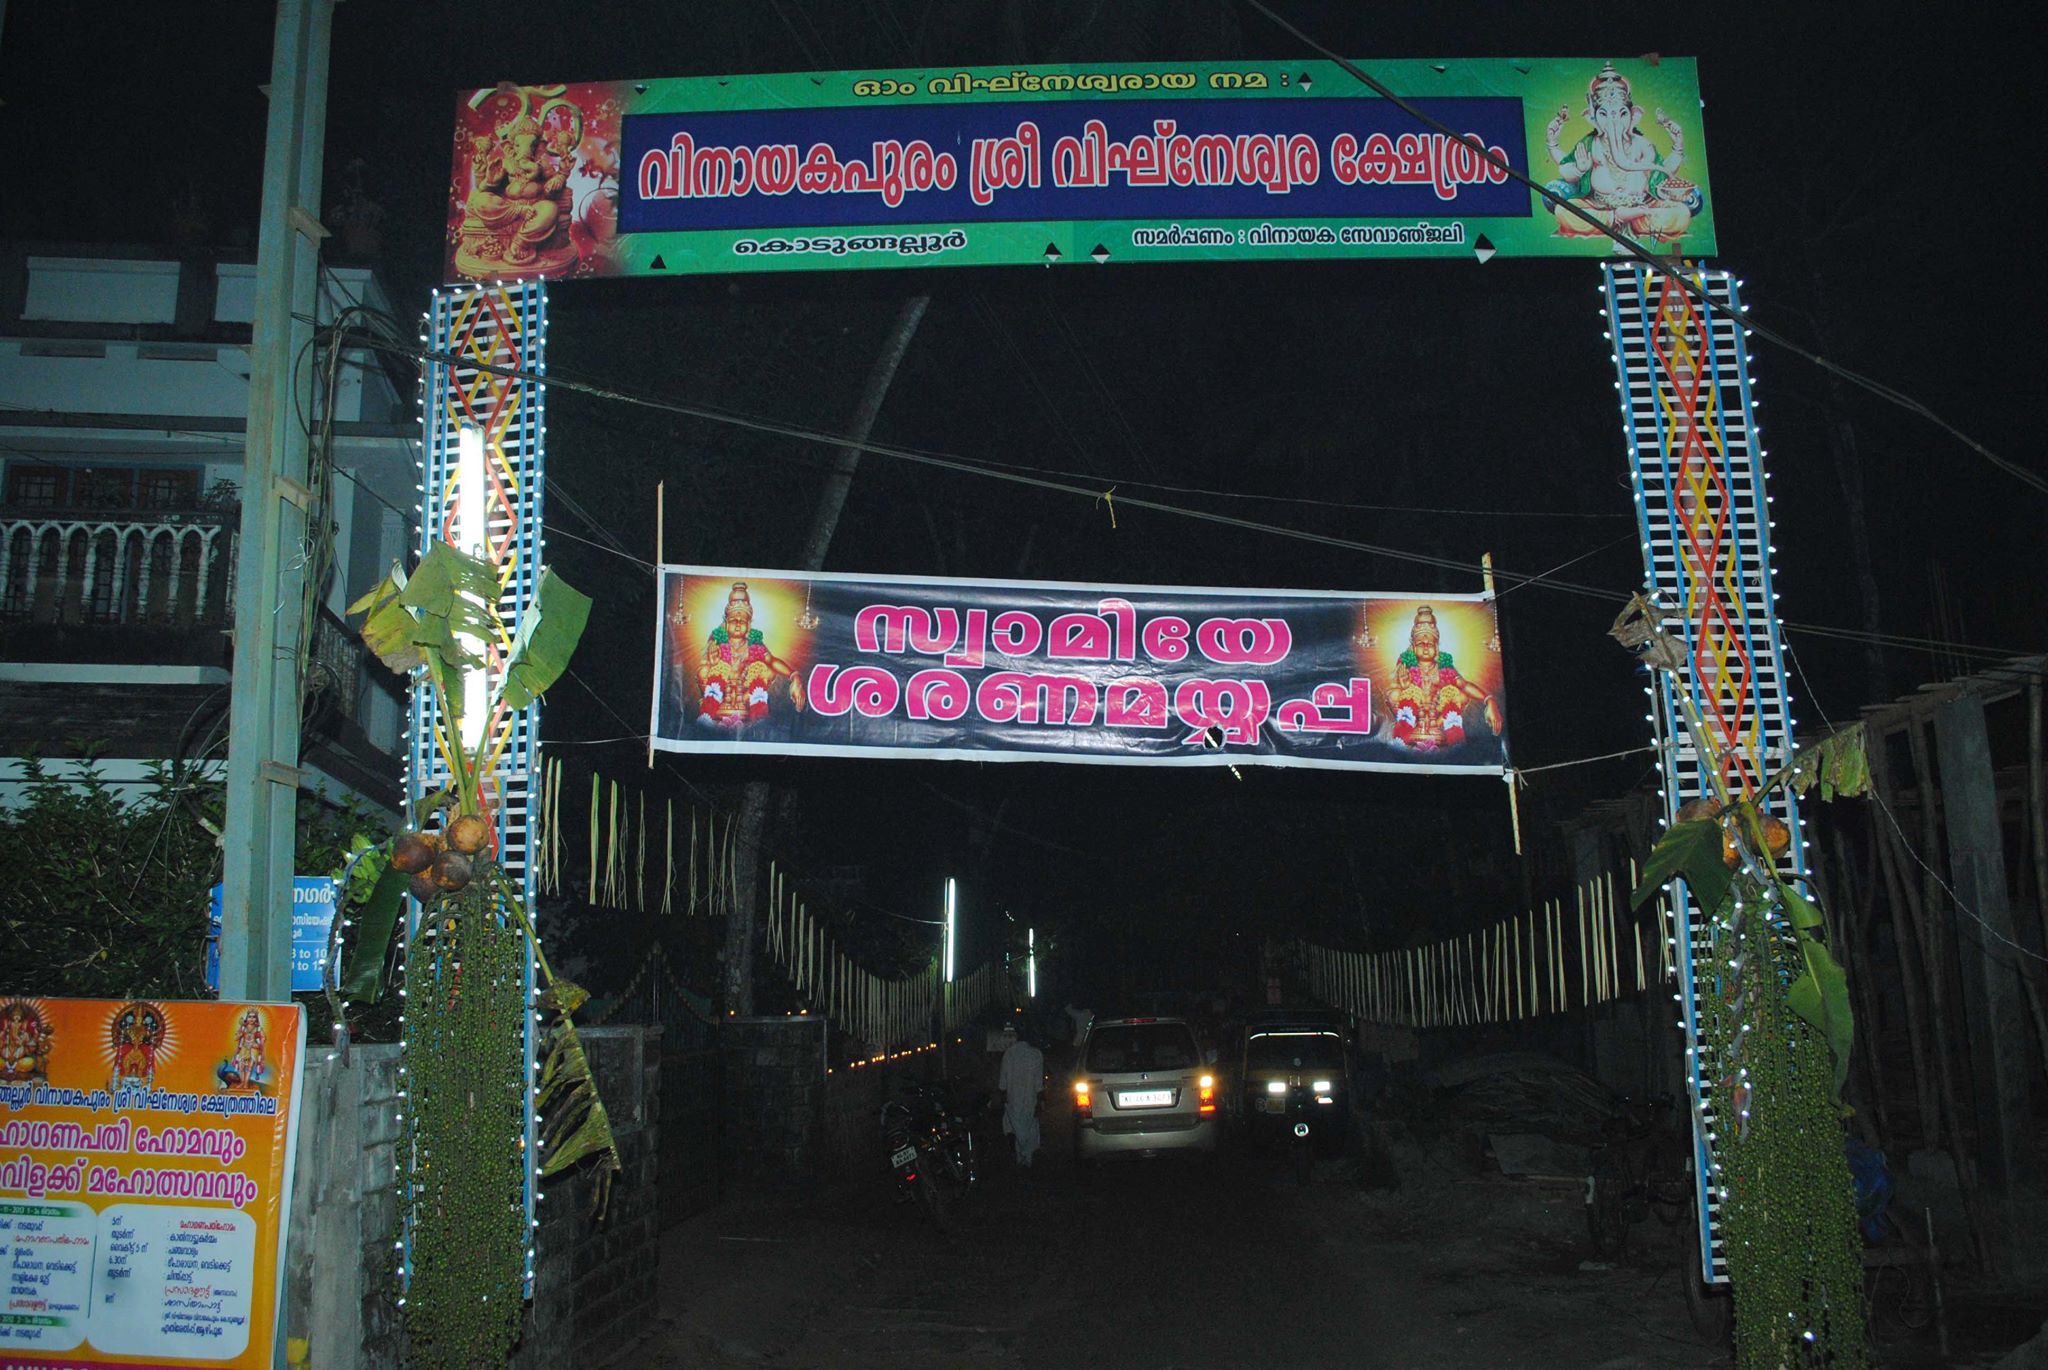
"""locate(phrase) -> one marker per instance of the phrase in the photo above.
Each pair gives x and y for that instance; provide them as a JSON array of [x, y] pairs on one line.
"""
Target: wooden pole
[[1551, 946], [1585, 985], [1613, 938], [1925, 902], [1521, 1004]]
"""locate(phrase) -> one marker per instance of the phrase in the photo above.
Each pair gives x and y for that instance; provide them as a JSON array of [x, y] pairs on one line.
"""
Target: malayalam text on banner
[[837, 665], [1098, 163], [146, 1151]]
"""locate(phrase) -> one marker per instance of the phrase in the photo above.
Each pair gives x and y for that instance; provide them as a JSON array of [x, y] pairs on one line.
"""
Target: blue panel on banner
[[1130, 159], [312, 918]]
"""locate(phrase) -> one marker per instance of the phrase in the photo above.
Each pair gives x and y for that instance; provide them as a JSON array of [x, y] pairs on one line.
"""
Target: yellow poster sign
[[146, 1153]]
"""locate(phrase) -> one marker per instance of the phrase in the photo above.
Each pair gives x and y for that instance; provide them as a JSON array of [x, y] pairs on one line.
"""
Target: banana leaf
[[446, 579], [375, 914], [1821, 997], [547, 637], [1692, 850], [388, 625], [574, 1124], [1839, 764]]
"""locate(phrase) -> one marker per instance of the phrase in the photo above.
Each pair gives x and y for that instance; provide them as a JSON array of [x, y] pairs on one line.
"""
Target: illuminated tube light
[[951, 904], [471, 533], [1031, 962]]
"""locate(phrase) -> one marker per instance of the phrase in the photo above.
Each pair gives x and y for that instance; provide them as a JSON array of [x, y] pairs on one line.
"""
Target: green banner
[[1076, 165]]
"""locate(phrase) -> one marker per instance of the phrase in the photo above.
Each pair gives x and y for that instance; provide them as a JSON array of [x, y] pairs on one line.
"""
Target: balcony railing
[[140, 587], [81, 568]]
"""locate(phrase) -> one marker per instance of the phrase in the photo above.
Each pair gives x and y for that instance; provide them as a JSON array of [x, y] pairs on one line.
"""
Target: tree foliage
[[106, 893]]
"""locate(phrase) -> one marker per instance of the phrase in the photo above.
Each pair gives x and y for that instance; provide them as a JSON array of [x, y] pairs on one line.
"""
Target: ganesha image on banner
[[539, 194], [738, 667], [25, 1042], [1426, 697], [1615, 173]]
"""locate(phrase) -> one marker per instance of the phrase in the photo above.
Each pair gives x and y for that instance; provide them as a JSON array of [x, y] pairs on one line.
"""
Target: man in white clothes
[[1021, 1080], [1082, 1018]]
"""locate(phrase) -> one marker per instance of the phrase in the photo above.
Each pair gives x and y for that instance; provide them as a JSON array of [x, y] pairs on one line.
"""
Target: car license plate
[[904, 1156], [1272, 1106], [1144, 1098]]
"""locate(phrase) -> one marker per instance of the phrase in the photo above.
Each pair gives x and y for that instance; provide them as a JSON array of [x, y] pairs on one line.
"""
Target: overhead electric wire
[[1663, 265], [947, 461]]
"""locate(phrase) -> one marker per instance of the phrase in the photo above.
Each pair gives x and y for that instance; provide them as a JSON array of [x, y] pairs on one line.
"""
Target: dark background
[[1875, 186]]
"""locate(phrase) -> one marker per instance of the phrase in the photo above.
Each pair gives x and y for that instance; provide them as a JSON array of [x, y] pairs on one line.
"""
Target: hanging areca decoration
[[464, 1104], [1775, 1023]]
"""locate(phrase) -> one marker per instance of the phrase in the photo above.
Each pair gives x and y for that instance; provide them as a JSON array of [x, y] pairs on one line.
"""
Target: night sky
[[1874, 187]]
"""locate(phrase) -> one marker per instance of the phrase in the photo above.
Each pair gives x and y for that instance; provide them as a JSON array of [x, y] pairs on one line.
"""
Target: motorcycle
[[1639, 1168], [1304, 1126], [929, 1137]]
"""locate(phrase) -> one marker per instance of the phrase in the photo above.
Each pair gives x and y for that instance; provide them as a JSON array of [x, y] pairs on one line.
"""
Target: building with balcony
[[124, 380]]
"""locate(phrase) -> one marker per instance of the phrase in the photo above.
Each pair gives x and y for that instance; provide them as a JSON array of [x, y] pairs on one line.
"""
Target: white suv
[[1143, 1088]]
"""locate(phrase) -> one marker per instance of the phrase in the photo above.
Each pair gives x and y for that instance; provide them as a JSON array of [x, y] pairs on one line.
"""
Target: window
[[42, 485], [157, 488], [103, 487], [1295, 1051], [37, 487], [1141, 1046]]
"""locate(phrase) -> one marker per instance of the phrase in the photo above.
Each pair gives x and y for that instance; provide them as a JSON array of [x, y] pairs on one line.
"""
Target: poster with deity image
[[778, 662], [146, 1152], [1076, 166]]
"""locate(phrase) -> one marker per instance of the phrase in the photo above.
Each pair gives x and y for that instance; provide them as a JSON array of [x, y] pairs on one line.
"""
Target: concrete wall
[[774, 1080], [595, 1286], [850, 1126]]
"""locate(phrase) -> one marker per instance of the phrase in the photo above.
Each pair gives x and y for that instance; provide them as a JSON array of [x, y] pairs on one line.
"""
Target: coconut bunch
[[1777, 837], [442, 860]]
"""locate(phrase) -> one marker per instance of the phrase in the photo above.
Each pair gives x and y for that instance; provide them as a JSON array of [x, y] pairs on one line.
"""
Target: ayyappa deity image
[[1615, 172], [1427, 696], [25, 1041], [246, 1067], [516, 218], [136, 1037], [738, 668]]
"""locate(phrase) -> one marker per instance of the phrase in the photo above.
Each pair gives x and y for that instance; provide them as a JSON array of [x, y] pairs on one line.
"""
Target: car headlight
[[1322, 1086], [1276, 1086]]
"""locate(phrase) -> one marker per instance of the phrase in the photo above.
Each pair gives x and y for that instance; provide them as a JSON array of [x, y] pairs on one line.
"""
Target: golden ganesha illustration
[[25, 1041], [540, 196]]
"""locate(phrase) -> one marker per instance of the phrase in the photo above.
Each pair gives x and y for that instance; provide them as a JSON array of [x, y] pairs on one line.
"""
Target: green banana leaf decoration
[[574, 1124]]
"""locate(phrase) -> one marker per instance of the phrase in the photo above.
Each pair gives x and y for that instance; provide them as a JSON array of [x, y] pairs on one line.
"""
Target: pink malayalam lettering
[[1166, 638], [940, 694], [1238, 707], [1020, 697], [1238, 641], [1016, 633], [1330, 708], [900, 627], [870, 689], [1136, 703]]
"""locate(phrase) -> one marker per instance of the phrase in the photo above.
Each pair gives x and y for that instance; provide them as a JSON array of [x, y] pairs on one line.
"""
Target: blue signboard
[[1130, 159], [312, 919]]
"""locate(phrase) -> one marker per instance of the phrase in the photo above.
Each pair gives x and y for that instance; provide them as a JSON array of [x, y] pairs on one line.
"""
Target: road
[[1169, 1266]]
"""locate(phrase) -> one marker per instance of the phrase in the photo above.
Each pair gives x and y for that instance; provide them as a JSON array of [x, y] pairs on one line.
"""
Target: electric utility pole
[[263, 717]]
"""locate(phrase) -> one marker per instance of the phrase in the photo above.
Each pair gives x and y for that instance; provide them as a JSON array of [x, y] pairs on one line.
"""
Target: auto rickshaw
[[1294, 1084]]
